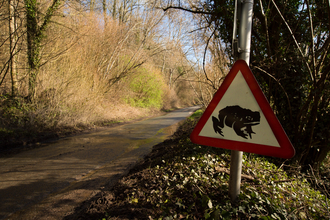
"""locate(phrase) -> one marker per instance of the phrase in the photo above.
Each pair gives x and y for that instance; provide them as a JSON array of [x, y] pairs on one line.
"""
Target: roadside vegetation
[[289, 57], [71, 66], [68, 66], [182, 180]]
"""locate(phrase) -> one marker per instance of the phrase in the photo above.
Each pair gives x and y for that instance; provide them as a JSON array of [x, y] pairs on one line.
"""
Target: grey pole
[[245, 30], [244, 45]]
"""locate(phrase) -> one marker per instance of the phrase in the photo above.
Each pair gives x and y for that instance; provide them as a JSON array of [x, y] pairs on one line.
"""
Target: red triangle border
[[286, 150]]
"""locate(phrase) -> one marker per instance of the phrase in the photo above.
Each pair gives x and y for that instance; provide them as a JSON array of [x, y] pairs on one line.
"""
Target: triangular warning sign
[[239, 117]]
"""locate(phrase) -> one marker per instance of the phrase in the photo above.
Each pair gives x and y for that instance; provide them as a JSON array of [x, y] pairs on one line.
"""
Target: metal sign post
[[243, 50], [239, 117]]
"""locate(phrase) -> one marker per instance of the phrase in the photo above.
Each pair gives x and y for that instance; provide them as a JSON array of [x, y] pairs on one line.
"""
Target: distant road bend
[[50, 181]]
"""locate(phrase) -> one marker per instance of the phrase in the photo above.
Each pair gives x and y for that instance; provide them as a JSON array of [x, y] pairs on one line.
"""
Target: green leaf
[[207, 215]]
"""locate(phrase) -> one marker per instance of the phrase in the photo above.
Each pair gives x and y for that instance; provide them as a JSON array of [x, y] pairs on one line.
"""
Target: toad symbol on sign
[[238, 118]]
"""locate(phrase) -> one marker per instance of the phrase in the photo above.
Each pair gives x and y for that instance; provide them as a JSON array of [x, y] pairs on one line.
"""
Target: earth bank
[[180, 180]]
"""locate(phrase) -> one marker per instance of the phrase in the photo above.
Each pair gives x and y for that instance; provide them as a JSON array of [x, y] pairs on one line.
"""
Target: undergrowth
[[181, 180], [24, 122]]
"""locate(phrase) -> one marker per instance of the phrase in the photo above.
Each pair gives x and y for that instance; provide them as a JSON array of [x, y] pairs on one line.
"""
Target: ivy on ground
[[188, 181]]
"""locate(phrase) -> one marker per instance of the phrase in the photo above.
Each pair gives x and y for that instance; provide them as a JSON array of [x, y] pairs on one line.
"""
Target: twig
[[326, 199], [286, 95], [295, 211], [282, 181], [199, 189], [204, 58], [227, 171], [314, 175], [325, 193]]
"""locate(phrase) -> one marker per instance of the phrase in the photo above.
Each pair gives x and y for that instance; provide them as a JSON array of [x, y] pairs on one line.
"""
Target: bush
[[146, 89]]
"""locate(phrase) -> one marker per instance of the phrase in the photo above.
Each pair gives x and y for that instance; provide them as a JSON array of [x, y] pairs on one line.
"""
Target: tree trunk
[[12, 46], [315, 157], [104, 7], [35, 34], [92, 5], [33, 44], [114, 7]]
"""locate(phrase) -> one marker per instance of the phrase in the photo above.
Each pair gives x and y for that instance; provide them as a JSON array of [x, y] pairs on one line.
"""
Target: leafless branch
[[286, 95], [204, 58], [312, 38], [185, 9], [292, 35]]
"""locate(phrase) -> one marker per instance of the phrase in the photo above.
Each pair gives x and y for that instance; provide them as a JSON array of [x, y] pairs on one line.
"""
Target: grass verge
[[24, 124], [181, 180]]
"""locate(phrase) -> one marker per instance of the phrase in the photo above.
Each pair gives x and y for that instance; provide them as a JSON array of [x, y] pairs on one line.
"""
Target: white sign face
[[238, 117]]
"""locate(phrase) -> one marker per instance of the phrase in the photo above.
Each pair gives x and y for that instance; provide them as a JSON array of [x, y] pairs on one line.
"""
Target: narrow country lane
[[50, 181]]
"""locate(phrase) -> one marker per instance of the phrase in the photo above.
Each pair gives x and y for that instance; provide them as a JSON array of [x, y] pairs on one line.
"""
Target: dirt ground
[[113, 198], [112, 201], [115, 202]]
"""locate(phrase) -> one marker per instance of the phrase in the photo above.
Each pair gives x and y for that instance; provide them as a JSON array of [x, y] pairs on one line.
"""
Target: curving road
[[50, 181]]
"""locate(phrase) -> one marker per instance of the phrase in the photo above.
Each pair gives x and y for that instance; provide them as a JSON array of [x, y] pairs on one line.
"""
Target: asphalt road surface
[[48, 182]]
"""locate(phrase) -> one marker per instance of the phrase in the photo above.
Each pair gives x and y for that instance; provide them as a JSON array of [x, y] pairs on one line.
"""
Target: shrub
[[146, 89]]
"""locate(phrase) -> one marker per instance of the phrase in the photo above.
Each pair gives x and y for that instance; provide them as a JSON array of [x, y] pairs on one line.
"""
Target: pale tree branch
[[328, 7], [324, 55], [287, 25], [266, 27], [312, 38]]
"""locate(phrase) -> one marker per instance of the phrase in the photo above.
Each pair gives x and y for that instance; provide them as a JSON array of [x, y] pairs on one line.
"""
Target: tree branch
[[204, 58], [312, 39], [186, 9], [287, 25], [286, 95], [49, 14]]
